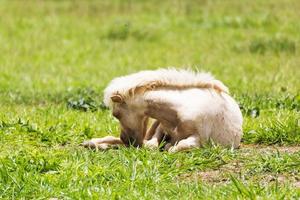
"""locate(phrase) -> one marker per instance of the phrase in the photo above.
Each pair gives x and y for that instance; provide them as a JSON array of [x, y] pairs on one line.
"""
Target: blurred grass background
[[49, 47]]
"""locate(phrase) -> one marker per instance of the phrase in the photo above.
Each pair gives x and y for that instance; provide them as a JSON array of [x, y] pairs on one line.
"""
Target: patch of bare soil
[[211, 176], [222, 176], [218, 176], [263, 148], [238, 168], [281, 179]]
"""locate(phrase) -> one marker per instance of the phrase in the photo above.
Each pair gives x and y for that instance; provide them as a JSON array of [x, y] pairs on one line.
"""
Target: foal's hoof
[[168, 146], [88, 144], [93, 145], [150, 144]]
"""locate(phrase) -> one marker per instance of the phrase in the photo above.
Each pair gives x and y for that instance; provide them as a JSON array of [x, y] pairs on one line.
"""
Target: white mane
[[162, 77]]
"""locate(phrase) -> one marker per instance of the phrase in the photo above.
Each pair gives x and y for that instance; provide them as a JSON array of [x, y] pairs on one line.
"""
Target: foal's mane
[[139, 83]]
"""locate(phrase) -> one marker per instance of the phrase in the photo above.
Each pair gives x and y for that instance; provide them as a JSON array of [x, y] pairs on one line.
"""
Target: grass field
[[56, 57]]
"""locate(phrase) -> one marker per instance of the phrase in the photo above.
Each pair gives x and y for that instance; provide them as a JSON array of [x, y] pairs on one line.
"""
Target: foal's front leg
[[152, 130], [154, 136], [103, 143], [192, 141]]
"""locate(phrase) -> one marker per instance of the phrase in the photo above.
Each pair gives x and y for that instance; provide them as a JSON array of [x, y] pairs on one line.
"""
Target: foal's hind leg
[[103, 143], [185, 144]]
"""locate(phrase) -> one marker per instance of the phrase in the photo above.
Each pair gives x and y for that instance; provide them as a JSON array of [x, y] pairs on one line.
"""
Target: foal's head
[[132, 119]]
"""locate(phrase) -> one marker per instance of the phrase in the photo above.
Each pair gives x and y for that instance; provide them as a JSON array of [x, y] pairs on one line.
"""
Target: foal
[[190, 108]]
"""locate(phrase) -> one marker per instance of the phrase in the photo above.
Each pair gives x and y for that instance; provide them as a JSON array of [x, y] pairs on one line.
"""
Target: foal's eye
[[117, 115]]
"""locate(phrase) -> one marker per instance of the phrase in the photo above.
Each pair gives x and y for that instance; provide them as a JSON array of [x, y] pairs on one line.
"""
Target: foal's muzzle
[[131, 138]]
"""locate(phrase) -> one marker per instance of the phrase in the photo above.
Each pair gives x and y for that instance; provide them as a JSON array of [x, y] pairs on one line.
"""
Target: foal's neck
[[162, 111]]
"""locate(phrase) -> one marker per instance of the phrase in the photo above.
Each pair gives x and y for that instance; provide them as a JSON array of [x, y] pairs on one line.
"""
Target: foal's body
[[192, 117], [189, 108]]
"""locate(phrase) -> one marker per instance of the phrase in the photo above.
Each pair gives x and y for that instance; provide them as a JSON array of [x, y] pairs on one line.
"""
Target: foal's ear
[[117, 98]]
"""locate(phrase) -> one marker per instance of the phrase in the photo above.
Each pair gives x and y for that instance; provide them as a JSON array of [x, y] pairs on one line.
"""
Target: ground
[[57, 57]]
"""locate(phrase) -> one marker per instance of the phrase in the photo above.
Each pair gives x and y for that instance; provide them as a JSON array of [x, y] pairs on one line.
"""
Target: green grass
[[57, 57]]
